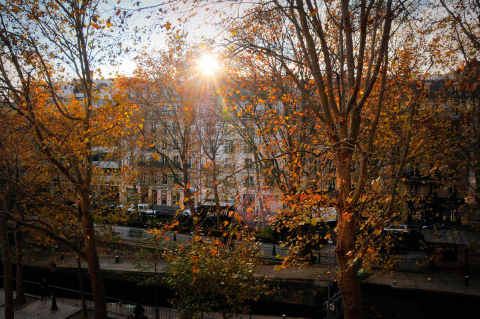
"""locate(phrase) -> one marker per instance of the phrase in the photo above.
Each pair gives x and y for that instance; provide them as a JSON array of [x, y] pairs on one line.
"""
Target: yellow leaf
[[168, 25], [214, 251], [182, 207], [207, 165], [314, 12]]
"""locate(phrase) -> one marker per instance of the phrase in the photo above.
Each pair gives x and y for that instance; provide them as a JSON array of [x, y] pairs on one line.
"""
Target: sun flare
[[208, 64]]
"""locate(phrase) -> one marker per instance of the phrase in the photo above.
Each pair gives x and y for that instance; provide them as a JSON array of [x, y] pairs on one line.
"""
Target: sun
[[208, 64]]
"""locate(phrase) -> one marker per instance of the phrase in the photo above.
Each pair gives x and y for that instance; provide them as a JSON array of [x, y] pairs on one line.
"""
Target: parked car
[[397, 228], [148, 213], [437, 225], [143, 207]]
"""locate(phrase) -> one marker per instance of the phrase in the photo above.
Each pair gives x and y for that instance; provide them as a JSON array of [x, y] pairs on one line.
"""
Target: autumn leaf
[[314, 12], [167, 25]]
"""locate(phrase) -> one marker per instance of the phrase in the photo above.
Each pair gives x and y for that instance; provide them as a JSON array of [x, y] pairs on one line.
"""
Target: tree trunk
[[20, 297], [82, 289], [472, 181], [93, 262], [259, 196], [7, 270], [190, 201], [347, 273], [215, 194]]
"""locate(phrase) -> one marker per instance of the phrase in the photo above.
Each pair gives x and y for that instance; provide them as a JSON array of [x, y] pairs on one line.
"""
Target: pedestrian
[[139, 310], [43, 289]]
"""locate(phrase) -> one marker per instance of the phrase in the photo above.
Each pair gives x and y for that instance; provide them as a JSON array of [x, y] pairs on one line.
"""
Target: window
[[414, 188], [248, 163], [78, 89], [415, 170], [229, 147], [153, 127], [229, 163], [176, 160], [248, 182], [248, 148], [164, 179], [189, 163], [157, 179], [176, 198]]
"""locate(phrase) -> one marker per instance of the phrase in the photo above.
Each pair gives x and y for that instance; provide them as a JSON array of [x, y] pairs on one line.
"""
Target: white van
[[142, 207]]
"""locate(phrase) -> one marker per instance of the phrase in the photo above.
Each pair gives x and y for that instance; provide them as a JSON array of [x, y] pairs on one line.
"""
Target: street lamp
[[274, 253], [53, 267]]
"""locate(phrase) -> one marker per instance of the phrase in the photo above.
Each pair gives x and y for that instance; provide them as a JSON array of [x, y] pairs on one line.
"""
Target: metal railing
[[118, 308], [326, 255]]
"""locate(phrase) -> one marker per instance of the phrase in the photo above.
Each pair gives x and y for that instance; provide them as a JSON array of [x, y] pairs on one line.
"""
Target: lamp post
[[328, 288], [274, 253], [53, 267]]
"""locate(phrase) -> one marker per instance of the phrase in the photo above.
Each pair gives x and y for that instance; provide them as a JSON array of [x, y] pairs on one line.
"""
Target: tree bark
[[7, 270], [347, 271], [20, 296], [82, 288], [215, 193], [93, 262]]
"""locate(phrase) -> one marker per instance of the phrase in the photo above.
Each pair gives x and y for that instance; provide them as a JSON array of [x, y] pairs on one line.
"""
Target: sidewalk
[[438, 281], [41, 309]]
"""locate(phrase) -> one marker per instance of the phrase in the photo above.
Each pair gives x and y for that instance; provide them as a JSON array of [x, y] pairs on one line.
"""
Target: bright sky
[[202, 24]]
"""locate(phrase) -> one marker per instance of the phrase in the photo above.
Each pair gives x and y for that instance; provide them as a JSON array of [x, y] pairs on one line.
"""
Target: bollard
[[61, 256], [54, 303], [174, 236], [117, 259], [467, 281], [394, 282], [283, 316]]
